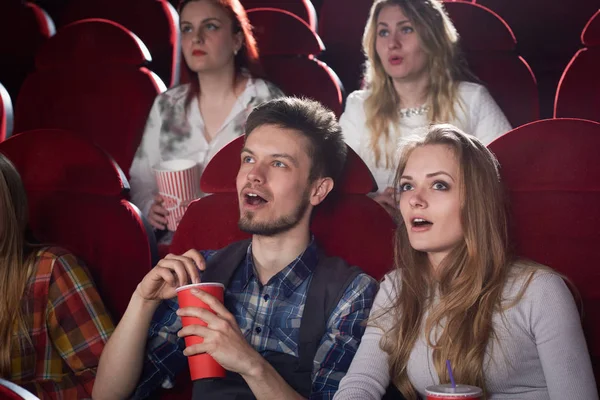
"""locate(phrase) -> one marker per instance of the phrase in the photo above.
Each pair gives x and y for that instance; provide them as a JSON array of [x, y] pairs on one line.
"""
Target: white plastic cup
[[178, 183]]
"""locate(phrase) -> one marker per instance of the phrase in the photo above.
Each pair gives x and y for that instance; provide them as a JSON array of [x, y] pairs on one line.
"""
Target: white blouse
[[172, 132], [477, 114]]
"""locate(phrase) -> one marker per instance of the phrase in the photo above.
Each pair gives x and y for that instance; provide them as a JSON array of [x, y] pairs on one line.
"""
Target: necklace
[[411, 112]]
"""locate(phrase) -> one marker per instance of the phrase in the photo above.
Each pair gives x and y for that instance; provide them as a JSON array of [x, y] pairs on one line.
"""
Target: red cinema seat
[[341, 27], [304, 9], [24, 27], [76, 200], [155, 22], [344, 225], [288, 48], [578, 93], [12, 391], [90, 79], [490, 48], [6, 114], [552, 173]]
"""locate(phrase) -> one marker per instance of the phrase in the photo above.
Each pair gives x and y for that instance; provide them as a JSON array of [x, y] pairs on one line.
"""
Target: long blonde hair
[[15, 261], [439, 40], [470, 281]]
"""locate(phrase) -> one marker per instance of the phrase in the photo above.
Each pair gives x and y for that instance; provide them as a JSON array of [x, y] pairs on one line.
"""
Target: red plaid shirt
[[68, 328]]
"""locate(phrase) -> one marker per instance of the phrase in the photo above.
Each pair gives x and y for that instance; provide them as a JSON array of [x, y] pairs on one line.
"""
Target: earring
[[235, 51]]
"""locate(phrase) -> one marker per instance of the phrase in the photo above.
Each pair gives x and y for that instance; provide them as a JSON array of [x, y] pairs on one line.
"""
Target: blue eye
[[407, 29], [279, 164], [211, 27], [186, 29], [383, 33], [247, 160], [404, 187], [439, 185]]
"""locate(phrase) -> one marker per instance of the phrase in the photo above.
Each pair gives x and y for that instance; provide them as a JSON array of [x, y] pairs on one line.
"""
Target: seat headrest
[[279, 32], [93, 41], [591, 33], [480, 28], [55, 160], [220, 174], [537, 159]]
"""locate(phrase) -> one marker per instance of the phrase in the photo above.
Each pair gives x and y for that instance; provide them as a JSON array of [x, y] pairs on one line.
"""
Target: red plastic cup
[[447, 392], [201, 365]]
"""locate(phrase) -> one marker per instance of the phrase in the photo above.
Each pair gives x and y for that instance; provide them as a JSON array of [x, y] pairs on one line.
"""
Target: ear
[[238, 41], [320, 189]]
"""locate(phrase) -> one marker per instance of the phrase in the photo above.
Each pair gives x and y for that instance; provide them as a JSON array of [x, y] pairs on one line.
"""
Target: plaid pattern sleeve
[[164, 349], [77, 327], [344, 331]]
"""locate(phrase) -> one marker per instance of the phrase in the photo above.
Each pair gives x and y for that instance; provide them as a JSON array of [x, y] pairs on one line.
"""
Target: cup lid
[[192, 285], [448, 390], [174, 165]]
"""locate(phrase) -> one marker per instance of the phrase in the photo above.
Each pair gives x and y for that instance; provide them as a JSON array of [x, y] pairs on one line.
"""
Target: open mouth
[[420, 222], [253, 199], [395, 60], [198, 53]]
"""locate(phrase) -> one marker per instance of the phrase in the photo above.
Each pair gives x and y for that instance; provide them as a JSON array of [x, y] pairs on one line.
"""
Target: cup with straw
[[453, 391]]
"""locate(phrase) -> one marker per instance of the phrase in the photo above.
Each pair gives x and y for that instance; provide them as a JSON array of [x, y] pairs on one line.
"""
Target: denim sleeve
[[164, 358]]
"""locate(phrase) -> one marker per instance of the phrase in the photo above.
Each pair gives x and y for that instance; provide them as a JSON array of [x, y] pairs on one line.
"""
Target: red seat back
[[11, 391], [76, 200], [288, 46], [490, 48], [24, 27], [304, 9], [90, 80], [155, 22], [578, 93], [343, 38], [6, 114], [552, 172]]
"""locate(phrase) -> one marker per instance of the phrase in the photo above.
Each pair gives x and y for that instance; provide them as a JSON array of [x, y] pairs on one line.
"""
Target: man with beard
[[292, 318]]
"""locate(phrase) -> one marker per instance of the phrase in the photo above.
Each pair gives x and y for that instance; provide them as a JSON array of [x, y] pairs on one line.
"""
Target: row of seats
[[77, 199]]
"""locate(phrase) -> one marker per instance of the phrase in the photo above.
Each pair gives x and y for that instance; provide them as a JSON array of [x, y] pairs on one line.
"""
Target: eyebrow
[[276, 155], [399, 23], [203, 21], [431, 175]]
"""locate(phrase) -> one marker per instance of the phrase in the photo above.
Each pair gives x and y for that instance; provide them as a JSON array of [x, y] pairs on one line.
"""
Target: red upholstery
[[11, 391], [104, 95], [155, 22], [578, 93], [552, 172], [287, 46], [295, 35], [489, 46], [76, 200], [343, 38], [304, 9], [23, 29], [6, 114]]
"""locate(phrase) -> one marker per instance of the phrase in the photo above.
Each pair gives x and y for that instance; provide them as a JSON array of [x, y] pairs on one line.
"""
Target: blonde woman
[[508, 326], [413, 77], [53, 325]]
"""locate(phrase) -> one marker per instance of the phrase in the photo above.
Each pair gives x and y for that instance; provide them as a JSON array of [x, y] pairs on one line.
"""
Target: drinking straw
[[450, 373]]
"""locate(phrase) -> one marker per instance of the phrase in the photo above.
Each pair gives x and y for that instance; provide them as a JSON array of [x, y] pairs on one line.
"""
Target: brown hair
[[469, 281], [16, 263], [246, 59], [439, 40]]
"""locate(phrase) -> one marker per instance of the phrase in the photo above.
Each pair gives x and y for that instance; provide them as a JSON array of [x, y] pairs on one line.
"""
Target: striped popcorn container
[[178, 183]]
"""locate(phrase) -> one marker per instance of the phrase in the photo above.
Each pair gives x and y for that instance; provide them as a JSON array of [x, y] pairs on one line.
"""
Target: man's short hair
[[327, 149]]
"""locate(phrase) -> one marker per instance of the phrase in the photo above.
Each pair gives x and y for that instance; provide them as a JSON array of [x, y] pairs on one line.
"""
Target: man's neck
[[412, 92], [273, 253], [217, 85]]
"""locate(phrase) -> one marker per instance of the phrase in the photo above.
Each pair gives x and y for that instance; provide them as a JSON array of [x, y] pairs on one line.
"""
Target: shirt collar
[[292, 275]]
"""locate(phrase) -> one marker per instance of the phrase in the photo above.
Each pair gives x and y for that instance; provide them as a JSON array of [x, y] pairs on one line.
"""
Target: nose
[[198, 37], [256, 174], [417, 200], [394, 41]]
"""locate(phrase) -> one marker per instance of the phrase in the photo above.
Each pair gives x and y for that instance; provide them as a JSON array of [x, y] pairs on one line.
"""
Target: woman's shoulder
[[50, 257], [173, 95], [358, 97], [533, 281], [265, 89], [470, 90]]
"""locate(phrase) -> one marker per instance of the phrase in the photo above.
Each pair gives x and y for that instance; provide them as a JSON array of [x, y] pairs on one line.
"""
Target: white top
[[479, 116], [172, 134], [541, 353]]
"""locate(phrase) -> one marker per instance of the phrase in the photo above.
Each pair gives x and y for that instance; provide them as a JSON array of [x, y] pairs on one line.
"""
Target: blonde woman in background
[[508, 326], [53, 325], [413, 77]]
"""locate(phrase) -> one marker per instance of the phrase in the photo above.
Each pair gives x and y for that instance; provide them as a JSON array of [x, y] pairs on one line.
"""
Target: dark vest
[[329, 281]]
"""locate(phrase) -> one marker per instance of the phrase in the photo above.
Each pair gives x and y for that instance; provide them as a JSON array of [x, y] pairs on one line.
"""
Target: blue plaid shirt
[[269, 317]]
